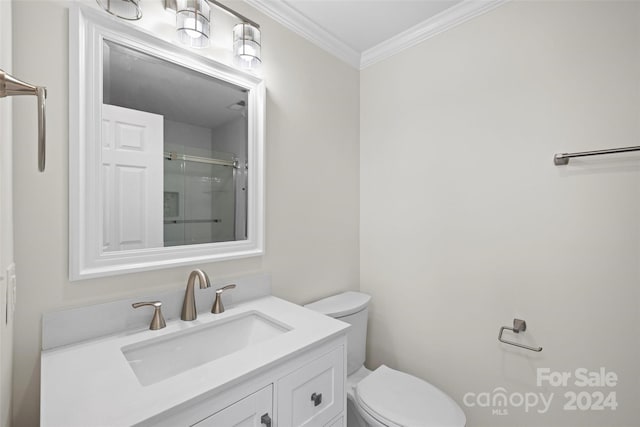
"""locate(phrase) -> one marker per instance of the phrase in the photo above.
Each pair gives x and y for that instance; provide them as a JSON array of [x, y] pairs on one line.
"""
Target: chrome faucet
[[189, 311]]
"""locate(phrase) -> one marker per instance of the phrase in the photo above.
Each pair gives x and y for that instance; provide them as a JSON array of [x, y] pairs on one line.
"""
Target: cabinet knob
[[266, 420], [316, 398]]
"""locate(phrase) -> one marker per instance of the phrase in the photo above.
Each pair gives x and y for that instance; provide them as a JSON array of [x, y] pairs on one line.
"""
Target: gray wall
[[311, 211], [6, 222], [466, 223]]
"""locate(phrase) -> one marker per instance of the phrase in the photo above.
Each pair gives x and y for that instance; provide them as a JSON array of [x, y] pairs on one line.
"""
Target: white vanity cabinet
[[306, 391], [213, 371], [314, 394]]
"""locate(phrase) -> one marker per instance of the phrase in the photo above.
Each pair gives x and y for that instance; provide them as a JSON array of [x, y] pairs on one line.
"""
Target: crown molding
[[290, 18], [447, 19], [303, 26]]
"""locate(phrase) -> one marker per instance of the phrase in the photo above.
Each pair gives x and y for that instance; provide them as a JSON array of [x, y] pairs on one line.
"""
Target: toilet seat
[[397, 399]]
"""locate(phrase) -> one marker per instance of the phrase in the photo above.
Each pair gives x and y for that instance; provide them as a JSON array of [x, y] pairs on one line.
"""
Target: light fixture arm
[[234, 13], [171, 5]]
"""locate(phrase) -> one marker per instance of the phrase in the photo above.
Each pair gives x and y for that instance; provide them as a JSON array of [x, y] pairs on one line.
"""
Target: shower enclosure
[[200, 198]]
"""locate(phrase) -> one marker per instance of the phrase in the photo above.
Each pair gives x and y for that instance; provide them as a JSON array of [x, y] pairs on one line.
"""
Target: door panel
[[132, 179]]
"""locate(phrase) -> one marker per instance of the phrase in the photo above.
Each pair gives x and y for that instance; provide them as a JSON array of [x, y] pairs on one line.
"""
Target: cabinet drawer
[[337, 423], [314, 394], [252, 411]]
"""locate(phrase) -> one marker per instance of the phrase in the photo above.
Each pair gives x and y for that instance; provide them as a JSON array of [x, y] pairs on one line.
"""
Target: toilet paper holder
[[519, 325]]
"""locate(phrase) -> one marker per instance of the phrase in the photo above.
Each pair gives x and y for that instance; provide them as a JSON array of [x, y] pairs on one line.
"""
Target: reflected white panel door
[[132, 179], [252, 411]]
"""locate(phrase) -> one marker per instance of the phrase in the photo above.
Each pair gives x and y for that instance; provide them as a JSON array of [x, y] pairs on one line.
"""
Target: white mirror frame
[[87, 30]]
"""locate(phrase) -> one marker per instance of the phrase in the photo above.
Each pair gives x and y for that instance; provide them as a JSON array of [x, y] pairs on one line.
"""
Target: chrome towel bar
[[561, 159], [10, 86], [518, 326]]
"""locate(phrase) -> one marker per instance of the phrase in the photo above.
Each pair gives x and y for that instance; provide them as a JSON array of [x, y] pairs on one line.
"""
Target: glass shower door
[[174, 197], [199, 201], [209, 203]]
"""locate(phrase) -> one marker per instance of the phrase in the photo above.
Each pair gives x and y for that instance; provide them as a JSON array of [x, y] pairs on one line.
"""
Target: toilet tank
[[350, 307]]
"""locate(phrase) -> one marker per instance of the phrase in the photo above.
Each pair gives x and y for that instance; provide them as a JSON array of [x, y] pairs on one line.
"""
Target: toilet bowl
[[384, 397]]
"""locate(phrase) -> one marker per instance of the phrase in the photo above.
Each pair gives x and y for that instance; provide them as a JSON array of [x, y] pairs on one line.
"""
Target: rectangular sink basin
[[163, 357]]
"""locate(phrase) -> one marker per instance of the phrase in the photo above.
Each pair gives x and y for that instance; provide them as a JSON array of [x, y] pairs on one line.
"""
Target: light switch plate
[[11, 292]]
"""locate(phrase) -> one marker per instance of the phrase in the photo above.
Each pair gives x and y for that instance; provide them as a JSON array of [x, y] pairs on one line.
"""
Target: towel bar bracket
[[11, 86]]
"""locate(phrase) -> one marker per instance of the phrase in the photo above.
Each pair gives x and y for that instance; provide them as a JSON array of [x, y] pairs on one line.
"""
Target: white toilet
[[384, 397]]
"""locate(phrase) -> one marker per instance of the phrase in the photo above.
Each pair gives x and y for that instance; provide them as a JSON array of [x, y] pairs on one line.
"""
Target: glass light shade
[[246, 46], [124, 9], [192, 22]]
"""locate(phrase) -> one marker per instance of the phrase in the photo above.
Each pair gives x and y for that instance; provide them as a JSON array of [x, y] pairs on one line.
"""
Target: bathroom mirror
[[165, 154]]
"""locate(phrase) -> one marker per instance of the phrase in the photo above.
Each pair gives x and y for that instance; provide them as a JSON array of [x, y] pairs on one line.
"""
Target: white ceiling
[[363, 32], [362, 24], [142, 82]]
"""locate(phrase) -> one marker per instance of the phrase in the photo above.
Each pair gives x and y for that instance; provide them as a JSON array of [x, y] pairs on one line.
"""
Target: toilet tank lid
[[341, 305]]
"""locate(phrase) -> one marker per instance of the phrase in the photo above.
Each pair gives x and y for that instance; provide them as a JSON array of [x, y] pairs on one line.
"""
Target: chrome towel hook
[[519, 325], [11, 86]]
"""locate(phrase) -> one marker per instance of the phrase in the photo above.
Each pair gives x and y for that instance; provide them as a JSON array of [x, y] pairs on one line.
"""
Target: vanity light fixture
[[193, 22], [246, 46], [193, 30], [124, 9]]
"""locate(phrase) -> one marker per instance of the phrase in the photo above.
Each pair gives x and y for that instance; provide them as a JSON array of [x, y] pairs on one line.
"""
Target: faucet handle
[[217, 304], [158, 319]]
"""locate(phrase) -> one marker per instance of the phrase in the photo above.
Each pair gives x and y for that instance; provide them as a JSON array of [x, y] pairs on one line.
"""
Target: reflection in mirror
[[174, 154], [166, 152]]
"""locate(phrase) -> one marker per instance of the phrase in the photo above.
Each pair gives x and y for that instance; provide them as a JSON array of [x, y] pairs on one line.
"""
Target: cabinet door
[[337, 423], [252, 411], [314, 394]]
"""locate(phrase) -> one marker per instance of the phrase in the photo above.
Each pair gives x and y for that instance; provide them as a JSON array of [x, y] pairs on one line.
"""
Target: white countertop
[[92, 384]]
